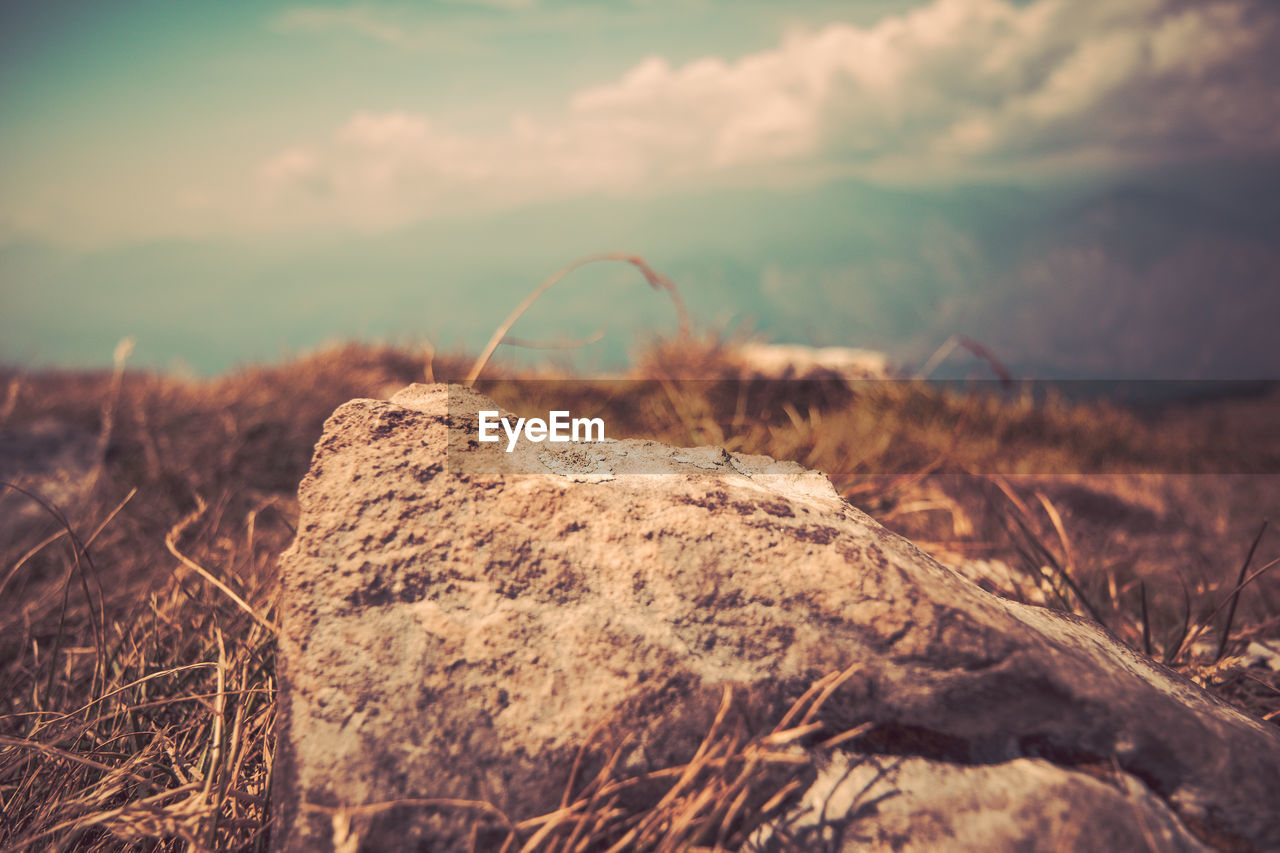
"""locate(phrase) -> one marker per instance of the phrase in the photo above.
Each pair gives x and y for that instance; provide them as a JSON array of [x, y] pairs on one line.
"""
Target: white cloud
[[952, 89]]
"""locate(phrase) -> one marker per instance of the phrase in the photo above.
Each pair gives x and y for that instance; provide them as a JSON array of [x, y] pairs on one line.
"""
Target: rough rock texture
[[457, 622]]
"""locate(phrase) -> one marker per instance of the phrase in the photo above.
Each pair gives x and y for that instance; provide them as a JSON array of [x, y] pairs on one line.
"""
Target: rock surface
[[459, 621]]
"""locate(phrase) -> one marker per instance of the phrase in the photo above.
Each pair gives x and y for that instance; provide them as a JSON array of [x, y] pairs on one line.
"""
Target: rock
[[471, 637], [793, 361], [916, 804]]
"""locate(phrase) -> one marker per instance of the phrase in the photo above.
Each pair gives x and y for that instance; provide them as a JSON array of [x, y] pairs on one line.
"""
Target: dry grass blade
[[1235, 594], [62, 754], [143, 819], [171, 543], [1208, 620], [1068, 558], [656, 280], [117, 691], [1022, 518], [950, 345], [1173, 647], [847, 735], [49, 540], [79, 551], [1146, 619], [31, 552], [577, 763], [828, 690]]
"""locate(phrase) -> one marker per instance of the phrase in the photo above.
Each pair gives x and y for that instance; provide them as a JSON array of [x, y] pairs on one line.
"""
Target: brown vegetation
[[137, 631]]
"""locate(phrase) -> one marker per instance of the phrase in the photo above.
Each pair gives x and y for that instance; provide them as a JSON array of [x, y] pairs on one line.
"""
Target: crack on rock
[[915, 741]]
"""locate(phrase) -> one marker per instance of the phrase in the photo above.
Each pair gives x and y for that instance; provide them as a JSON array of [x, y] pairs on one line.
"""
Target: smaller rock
[[908, 804]]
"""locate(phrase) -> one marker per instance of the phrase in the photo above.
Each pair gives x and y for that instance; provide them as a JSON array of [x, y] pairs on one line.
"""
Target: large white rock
[[794, 361], [459, 620]]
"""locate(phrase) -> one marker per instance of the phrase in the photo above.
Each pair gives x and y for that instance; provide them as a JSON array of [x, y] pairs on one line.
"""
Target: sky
[[1086, 185]]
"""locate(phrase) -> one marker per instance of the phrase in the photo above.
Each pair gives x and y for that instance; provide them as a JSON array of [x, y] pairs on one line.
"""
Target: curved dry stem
[[949, 346], [97, 620], [656, 280], [171, 542]]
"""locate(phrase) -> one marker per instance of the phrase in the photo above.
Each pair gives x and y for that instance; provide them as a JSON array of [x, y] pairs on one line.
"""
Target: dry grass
[[732, 792], [136, 633]]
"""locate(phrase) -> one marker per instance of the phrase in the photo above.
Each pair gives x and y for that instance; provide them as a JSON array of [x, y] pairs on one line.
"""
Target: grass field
[[138, 605]]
